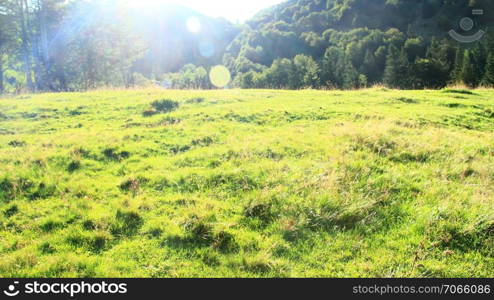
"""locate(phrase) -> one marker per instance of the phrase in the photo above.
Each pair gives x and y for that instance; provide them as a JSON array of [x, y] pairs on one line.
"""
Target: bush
[[165, 105], [74, 166], [115, 155]]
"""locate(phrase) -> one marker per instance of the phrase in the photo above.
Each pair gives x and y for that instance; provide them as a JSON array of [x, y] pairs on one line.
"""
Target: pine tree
[[402, 79], [458, 67], [369, 67], [489, 72], [391, 69], [349, 74], [468, 75], [478, 58]]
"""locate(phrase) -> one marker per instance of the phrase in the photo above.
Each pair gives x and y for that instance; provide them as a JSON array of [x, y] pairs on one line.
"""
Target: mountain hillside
[[359, 32]]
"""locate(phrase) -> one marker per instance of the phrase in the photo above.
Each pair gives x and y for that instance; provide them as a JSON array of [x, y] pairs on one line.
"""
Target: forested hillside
[[57, 45], [352, 43]]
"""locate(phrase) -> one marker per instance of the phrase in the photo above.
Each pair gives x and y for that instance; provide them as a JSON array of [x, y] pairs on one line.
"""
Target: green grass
[[370, 183]]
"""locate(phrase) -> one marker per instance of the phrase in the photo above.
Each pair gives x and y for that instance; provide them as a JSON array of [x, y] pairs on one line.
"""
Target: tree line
[[73, 45], [58, 45], [344, 45]]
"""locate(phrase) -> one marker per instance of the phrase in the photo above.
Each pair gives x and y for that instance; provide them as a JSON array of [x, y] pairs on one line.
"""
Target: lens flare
[[193, 25], [220, 76], [206, 49]]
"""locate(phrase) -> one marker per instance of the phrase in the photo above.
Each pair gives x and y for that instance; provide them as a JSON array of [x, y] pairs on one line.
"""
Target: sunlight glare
[[231, 10], [193, 25], [220, 76]]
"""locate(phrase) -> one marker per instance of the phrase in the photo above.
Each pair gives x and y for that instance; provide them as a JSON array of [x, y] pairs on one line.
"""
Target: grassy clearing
[[247, 183]]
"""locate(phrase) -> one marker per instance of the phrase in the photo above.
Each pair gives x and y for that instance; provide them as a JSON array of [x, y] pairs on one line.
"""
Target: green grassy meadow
[[248, 183]]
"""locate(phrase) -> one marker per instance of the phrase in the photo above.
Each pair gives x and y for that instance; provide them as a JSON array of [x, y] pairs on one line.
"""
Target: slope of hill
[[358, 33], [370, 183]]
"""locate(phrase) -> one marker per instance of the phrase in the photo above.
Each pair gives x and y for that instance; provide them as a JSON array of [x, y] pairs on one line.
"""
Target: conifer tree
[[391, 69], [369, 67], [489, 72], [458, 66], [468, 75]]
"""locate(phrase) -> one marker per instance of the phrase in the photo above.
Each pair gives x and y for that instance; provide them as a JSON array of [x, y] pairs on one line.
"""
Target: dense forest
[[59, 45]]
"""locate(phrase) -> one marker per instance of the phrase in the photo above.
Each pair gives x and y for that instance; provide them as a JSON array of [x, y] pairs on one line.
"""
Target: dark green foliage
[[74, 166], [165, 105], [489, 72], [12, 210], [425, 73], [397, 72], [115, 155], [468, 75], [349, 44]]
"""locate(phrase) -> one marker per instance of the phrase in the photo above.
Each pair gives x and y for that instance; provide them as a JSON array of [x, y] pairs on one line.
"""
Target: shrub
[[74, 166], [113, 154], [165, 105]]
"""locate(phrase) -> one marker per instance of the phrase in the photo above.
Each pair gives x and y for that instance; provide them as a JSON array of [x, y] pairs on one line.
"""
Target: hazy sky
[[233, 10]]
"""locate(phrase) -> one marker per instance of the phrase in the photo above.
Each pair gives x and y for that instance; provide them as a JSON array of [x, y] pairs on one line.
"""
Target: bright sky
[[233, 10]]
